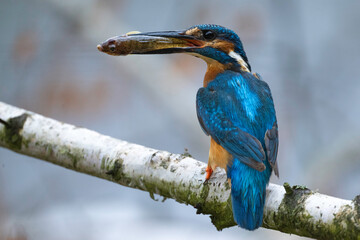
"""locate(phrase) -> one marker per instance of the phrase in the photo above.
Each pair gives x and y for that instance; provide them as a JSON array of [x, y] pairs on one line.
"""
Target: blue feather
[[236, 109]]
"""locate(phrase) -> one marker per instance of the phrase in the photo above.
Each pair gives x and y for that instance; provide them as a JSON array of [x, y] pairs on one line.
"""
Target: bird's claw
[[206, 182], [209, 171]]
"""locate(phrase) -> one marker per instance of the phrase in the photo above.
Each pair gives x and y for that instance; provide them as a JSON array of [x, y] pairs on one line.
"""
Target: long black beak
[[150, 43]]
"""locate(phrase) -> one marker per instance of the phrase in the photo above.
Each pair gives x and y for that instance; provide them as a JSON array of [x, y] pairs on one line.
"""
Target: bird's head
[[213, 43]]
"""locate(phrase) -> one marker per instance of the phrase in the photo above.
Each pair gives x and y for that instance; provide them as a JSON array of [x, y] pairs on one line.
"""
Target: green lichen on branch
[[194, 195], [345, 224], [56, 151], [186, 153], [114, 169], [292, 217], [357, 205], [290, 189], [4, 122], [11, 134], [224, 218], [291, 214], [74, 154]]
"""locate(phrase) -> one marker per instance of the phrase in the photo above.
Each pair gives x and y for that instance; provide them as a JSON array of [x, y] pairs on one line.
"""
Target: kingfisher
[[234, 106]]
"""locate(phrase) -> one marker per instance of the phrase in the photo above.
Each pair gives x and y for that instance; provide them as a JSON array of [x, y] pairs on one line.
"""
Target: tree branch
[[295, 210]]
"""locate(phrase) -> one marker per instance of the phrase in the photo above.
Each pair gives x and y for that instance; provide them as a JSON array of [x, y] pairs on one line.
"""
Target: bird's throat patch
[[240, 60]]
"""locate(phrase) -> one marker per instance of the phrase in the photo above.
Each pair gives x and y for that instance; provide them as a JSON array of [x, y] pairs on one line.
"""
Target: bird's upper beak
[[150, 43]]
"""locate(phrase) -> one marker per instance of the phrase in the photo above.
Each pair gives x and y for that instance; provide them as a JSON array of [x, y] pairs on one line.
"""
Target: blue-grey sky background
[[307, 51]]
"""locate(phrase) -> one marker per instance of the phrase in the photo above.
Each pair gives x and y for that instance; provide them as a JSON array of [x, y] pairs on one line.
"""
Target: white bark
[[292, 209]]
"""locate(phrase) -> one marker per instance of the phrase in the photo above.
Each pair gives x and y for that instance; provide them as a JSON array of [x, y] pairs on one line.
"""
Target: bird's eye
[[209, 35]]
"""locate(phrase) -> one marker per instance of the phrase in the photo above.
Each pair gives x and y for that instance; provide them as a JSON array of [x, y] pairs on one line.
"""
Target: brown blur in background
[[307, 51]]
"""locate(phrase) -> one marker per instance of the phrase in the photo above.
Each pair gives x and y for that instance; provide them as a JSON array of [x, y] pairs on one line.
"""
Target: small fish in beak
[[148, 43]]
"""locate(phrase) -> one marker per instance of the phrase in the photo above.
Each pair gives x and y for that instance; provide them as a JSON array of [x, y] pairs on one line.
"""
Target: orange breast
[[213, 69], [218, 156]]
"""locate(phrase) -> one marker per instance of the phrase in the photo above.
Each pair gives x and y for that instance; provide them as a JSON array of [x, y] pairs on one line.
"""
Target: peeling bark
[[295, 210]]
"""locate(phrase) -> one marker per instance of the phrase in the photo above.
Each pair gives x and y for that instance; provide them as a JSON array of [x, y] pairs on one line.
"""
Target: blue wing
[[271, 141], [214, 113], [237, 111], [272, 144]]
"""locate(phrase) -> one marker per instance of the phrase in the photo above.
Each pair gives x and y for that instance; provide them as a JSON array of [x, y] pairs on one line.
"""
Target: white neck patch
[[240, 60]]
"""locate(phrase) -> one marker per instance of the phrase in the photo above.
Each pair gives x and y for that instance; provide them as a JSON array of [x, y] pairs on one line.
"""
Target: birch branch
[[295, 210]]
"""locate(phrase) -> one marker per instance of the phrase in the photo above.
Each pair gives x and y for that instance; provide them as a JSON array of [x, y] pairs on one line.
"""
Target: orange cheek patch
[[222, 45]]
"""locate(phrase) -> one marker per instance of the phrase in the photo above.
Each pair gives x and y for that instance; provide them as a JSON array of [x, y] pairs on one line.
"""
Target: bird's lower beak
[[150, 43]]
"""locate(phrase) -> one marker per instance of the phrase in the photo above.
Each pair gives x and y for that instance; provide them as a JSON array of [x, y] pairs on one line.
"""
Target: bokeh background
[[307, 51]]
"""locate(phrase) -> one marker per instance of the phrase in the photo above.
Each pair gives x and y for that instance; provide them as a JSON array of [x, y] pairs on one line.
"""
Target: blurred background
[[307, 51]]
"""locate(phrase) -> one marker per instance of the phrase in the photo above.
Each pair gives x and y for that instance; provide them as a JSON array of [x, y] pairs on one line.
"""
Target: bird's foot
[[209, 171]]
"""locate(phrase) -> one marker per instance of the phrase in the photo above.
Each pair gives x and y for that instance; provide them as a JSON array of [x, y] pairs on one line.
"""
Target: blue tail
[[248, 192]]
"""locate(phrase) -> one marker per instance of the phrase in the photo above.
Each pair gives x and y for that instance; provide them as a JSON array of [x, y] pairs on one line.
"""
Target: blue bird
[[234, 107]]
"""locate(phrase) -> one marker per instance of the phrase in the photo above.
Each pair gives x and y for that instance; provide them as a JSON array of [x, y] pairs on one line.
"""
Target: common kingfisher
[[234, 107]]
